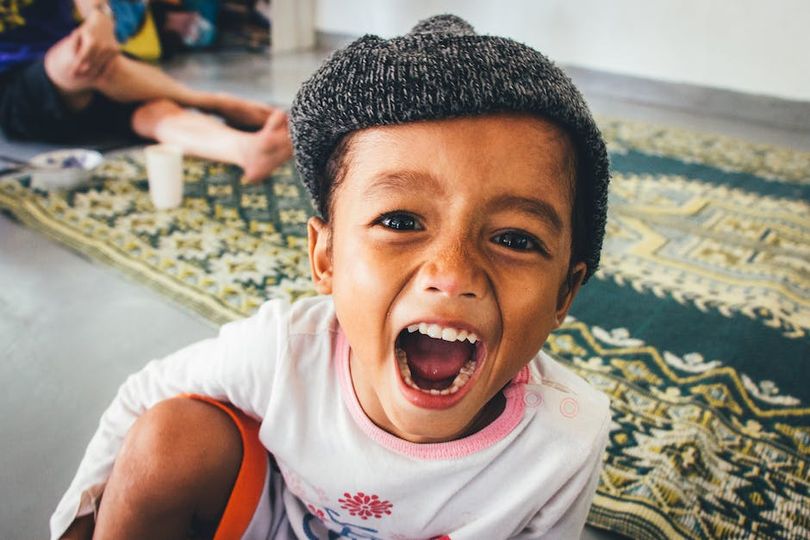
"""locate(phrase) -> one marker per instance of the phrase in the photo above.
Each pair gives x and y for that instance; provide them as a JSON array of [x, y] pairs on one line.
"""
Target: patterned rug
[[697, 326]]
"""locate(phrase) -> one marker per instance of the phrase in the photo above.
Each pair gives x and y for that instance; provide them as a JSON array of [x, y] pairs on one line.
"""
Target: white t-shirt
[[531, 473]]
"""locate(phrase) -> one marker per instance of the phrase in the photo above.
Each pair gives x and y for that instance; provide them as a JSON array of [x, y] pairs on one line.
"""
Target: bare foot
[[239, 111], [267, 148]]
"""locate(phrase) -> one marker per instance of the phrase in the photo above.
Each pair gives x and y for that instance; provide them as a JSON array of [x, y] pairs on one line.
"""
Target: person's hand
[[95, 44]]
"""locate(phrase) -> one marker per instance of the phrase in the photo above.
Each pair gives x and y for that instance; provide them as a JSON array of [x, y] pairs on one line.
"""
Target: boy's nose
[[453, 272]]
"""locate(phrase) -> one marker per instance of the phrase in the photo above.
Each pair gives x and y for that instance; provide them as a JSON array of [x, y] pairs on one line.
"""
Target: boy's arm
[[237, 366], [565, 514], [80, 529]]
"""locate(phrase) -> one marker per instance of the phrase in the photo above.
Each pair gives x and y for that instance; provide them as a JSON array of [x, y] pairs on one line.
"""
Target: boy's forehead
[[542, 138], [544, 130], [513, 143]]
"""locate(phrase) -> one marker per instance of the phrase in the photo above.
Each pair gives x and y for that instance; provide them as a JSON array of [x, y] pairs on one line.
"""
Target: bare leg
[[258, 153], [174, 474], [164, 118], [128, 80]]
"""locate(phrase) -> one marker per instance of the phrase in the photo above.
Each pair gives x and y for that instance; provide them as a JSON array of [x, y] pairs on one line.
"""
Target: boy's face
[[452, 225]]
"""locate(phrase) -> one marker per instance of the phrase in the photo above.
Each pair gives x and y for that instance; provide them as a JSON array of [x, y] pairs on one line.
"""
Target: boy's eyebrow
[[404, 180], [541, 209]]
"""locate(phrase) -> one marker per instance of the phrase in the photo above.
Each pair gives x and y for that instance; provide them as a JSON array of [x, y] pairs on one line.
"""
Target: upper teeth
[[441, 332]]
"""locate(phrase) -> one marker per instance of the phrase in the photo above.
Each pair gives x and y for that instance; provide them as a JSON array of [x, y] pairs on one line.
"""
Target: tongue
[[434, 361]]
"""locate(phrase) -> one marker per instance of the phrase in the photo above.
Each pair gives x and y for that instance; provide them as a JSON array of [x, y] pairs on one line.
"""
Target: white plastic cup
[[164, 169]]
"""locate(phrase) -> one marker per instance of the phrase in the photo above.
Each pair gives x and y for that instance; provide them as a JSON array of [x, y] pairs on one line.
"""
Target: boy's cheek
[[368, 284]]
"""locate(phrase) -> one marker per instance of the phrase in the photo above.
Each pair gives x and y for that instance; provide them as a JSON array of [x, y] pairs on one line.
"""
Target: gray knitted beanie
[[443, 69]]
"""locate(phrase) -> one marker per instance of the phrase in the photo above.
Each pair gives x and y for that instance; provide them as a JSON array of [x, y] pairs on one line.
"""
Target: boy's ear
[[320, 257], [569, 290]]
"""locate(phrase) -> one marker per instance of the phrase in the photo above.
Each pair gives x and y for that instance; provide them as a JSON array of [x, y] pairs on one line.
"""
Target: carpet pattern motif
[[697, 325], [712, 246]]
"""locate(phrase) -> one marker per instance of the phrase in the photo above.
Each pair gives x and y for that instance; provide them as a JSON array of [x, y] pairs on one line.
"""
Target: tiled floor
[[71, 329]]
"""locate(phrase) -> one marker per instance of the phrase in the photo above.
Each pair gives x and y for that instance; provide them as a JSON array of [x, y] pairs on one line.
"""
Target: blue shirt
[[28, 28]]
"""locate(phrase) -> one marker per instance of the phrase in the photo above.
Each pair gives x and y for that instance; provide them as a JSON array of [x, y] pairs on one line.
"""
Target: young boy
[[462, 187]]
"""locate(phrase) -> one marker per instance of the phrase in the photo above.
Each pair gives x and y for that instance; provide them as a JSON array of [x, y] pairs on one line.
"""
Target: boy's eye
[[517, 241], [399, 221]]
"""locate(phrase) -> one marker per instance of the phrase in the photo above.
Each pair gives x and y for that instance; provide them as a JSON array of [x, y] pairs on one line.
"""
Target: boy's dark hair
[[443, 69]]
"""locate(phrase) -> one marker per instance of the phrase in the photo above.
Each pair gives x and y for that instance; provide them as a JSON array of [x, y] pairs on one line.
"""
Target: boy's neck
[[491, 411]]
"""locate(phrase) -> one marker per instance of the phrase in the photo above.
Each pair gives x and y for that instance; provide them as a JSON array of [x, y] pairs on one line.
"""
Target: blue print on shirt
[[337, 529]]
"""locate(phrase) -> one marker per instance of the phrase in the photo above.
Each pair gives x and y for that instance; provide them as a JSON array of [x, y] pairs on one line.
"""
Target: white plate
[[63, 169]]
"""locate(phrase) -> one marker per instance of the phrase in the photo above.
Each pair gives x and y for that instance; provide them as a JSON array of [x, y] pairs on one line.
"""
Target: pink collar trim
[[496, 431]]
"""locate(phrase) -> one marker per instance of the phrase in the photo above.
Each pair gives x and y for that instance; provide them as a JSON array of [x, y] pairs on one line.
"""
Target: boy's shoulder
[[311, 315], [567, 397]]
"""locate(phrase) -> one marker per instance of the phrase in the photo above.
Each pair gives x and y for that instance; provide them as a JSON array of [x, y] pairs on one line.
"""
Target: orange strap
[[247, 489]]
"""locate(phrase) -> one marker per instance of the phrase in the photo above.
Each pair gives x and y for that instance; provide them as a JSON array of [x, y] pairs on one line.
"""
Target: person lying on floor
[[59, 80], [462, 189]]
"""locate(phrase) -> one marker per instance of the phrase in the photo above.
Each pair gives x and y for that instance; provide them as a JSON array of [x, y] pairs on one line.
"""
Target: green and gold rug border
[[723, 152], [28, 211], [661, 364], [647, 267], [729, 433]]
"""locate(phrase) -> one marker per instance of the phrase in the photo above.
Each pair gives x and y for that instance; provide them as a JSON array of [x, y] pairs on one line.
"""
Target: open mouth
[[435, 359]]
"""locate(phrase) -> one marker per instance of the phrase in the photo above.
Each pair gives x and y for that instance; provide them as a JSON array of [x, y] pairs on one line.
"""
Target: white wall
[[754, 46]]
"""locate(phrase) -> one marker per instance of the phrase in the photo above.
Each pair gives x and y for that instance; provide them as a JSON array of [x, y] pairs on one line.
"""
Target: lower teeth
[[461, 379]]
